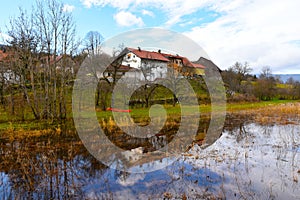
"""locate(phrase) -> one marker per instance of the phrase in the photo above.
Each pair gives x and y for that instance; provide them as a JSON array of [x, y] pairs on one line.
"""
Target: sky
[[260, 32]]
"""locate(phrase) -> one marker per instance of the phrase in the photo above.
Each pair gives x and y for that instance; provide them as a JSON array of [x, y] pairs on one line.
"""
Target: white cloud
[[124, 18], [259, 32], [173, 9], [120, 4], [68, 8], [147, 12]]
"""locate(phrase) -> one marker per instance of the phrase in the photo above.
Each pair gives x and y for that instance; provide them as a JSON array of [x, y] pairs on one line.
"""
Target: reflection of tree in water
[[60, 168], [52, 168], [235, 124]]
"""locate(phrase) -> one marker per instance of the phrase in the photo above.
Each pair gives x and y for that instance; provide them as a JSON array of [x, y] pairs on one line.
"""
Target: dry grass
[[282, 114], [18, 134]]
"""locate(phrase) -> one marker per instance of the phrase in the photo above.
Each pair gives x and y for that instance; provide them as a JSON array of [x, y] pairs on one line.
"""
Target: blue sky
[[263, 33]]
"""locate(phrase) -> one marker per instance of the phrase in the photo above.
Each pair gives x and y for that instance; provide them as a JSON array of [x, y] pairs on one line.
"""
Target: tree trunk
[[174, 100]]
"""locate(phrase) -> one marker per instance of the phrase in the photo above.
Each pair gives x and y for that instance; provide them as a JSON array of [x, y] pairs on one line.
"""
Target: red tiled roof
[[52, 61], [198, 66], [171, 55], [186, 62], [164, 57], [126, 68], [121, 68], [2, 55], [151, 55]]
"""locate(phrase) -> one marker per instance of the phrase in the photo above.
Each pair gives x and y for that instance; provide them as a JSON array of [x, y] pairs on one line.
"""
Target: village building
[[146, 65], [62, 63], [11, 74], [6, 74]]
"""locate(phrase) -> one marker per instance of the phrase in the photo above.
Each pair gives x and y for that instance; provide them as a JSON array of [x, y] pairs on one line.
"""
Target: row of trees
[[42, 54], [38, 66], [241, 85]]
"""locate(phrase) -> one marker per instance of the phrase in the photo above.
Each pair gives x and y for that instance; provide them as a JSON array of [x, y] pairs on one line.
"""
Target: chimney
[[159, 51], [139, 48]]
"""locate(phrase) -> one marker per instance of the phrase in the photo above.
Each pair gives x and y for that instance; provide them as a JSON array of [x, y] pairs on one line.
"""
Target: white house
[[145, 65]]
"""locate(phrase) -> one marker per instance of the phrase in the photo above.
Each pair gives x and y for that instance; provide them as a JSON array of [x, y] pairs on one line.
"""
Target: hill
[[285, 77]]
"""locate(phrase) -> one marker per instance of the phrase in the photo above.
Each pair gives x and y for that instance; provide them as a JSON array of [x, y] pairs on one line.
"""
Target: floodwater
[[249, 161]]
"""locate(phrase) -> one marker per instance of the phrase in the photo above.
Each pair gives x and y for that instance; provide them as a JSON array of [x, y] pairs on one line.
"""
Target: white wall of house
[[134, 75], [151, 69], [132, 60], [10, 77], [154, 69]]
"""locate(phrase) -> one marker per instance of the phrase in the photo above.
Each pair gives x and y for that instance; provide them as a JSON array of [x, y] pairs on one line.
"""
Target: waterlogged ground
[[249, 161]]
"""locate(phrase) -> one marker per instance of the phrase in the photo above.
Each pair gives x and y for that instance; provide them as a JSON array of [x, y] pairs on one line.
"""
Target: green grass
[[255, 105], [138, 114]]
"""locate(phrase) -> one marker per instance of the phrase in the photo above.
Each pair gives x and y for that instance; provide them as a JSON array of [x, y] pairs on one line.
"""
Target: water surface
[[249, 161]]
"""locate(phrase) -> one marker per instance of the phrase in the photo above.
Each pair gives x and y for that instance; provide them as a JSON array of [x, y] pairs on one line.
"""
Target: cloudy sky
[[261, 32]]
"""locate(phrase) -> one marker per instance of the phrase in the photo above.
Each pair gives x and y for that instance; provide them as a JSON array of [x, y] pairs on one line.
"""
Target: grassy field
[[256, 105], [140, 115]]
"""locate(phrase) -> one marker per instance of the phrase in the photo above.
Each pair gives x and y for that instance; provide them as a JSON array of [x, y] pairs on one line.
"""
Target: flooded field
[[249, 161]]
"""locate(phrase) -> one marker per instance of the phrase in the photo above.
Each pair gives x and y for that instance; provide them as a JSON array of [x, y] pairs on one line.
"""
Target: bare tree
[[235, 75], [66, 72], [37, 41], [149, 84], [266, 72], [24, 45], [57, 35], [93, 41], [265, 88], [173, 81]]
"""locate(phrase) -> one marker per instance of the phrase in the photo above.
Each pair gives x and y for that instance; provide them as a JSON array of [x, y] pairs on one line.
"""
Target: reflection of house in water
[[150, 65], [133, 155]]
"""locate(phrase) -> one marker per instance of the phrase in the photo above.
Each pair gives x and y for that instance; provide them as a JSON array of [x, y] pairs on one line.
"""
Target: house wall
[[154, 69], [10, 77], [134, 75], [151, 69], [132, 60], [176, 61]]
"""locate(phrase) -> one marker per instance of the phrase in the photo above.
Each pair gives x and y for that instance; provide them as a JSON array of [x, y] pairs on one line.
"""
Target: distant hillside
[[285, 77]]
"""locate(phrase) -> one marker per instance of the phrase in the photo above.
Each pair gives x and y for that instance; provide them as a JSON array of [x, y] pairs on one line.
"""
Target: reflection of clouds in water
[[149, 166], [131, 179], [253, 162], [259, 163]]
